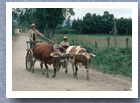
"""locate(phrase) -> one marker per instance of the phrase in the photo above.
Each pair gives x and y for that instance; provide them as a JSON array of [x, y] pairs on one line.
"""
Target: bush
[[67, 31], [114, 61]]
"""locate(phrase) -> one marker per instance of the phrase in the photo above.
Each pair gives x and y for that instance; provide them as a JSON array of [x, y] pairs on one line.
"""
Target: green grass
[[101, 40], [114, 61]]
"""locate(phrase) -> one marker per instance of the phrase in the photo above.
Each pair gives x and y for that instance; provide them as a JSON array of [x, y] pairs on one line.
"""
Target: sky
[[117, 12]]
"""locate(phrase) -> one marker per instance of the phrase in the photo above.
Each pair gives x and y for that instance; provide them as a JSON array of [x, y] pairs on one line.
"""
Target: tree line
[[50, 20], [97, 24], [46, 19]]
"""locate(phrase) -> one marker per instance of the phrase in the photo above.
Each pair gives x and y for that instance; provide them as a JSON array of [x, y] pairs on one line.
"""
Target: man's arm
[[40, 33]]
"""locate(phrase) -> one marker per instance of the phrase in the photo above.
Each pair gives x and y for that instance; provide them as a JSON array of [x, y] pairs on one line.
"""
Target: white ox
[[82, 57]]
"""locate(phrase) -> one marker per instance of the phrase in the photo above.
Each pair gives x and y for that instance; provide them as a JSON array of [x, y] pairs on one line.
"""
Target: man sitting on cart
[[64, 44], [62, 48], [33, 35]]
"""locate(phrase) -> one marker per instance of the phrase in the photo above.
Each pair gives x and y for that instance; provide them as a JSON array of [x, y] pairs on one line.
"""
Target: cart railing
[[28, 42]]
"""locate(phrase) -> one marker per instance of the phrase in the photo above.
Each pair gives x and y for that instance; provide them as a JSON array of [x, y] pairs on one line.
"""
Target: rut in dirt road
[[22, 80]]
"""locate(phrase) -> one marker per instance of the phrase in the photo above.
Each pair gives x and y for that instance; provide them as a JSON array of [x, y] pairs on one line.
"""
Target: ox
[[45, 53], [83, 58]]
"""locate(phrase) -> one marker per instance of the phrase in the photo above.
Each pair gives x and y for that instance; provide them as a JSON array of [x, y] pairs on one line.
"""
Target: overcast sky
[[118, 12]]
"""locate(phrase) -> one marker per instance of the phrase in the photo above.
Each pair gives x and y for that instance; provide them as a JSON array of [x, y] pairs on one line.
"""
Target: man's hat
[[65, 37], [32, 25]]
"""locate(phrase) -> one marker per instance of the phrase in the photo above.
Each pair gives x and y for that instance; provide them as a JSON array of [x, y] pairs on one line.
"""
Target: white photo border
[[72, 94]]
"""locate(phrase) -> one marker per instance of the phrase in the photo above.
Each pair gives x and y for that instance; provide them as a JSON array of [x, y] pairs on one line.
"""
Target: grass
[[101, 40]]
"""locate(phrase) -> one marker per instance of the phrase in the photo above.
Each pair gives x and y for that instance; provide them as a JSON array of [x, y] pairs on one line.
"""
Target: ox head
[[56, 60], [86, 58]]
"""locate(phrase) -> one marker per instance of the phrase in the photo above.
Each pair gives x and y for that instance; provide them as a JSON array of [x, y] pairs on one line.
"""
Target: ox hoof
[[53, 76], [66, 71], [32, 71], [88, 78], [47, 76], [75, 76], [43, 73]]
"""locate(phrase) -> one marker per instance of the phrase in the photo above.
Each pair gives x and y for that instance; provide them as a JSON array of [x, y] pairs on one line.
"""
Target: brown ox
[[83, 58], [45, 53]]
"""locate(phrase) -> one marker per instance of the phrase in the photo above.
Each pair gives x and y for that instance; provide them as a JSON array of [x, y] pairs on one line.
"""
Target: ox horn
[[92, 55]]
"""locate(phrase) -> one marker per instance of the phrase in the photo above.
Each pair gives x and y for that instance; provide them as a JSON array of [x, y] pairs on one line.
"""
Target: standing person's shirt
[[33, 34]]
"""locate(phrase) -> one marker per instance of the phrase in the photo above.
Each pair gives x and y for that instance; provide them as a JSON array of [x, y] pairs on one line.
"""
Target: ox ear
[[92, 55]]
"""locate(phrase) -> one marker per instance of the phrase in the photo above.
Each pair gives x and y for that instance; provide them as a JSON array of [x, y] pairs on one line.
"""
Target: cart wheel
[[29, 60]]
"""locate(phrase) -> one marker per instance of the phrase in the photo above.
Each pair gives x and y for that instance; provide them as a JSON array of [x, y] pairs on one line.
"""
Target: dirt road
[[22, 80]]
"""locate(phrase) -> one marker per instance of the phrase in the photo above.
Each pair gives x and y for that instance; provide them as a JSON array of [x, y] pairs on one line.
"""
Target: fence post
[[108, 42], [81, 42], [115, 42], [96, 46], [127, 42]]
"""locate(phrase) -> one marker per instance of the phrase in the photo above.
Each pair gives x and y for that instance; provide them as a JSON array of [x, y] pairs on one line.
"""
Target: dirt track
[[22, 80]]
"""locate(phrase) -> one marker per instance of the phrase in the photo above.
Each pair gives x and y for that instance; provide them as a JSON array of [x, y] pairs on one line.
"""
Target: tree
[[115, 33], [55, 16], [68, 23], [93, 23], [87, 19], [124, 26], [46, 19], [107, 22]]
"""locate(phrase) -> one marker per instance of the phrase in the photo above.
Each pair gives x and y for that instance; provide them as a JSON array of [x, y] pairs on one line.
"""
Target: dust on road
[[22, 80]]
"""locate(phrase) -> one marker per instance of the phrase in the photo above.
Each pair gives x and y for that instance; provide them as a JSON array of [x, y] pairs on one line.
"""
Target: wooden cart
[[29, 55]]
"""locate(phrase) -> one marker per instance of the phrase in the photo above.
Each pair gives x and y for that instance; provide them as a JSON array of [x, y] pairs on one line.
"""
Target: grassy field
[[100, 39]]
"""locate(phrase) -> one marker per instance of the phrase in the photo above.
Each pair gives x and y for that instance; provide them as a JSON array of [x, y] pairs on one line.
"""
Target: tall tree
[[55, 16], [68, 23], [107, 21], [46, 19]]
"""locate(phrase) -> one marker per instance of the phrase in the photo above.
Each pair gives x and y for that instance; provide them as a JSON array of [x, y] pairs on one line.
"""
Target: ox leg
[[87, 74], [66, 70], [41, 65], [73, 62], [76, 69], [73, 68], [47, 73], [54, 73]]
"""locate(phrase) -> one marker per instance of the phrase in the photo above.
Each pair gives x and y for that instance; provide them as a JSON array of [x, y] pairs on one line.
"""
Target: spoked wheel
[[29, 60]]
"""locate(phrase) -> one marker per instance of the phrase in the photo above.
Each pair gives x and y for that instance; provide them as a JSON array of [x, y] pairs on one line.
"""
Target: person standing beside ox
[[33, 35]]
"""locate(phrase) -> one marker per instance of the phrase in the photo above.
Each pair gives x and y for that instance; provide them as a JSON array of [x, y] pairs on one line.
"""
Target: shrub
[[114, 61]]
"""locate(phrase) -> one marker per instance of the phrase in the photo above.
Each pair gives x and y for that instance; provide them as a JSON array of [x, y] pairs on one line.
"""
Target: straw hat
[[65, 37], [32, 25]]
